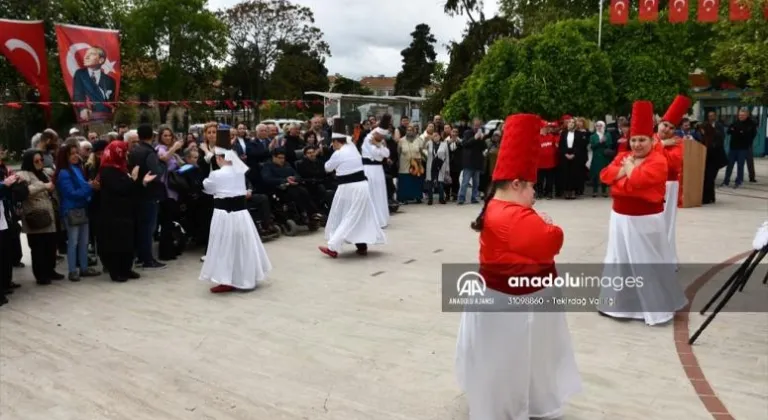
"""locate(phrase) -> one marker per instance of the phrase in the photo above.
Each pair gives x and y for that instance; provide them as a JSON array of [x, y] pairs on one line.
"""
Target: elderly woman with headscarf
[[410, 176], [38, 218], [603, 151], [117, 216]]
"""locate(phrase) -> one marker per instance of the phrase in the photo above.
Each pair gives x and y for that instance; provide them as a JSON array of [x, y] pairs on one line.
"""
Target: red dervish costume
[[514, 362], [674, 155], [548, 161], [638, 246]]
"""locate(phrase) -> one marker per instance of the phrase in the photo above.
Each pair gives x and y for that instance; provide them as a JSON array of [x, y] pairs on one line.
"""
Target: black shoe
[[442, 202], [133, 275], [43, 282], [56, 276], [19, 265], [753, 180], [119, 279], [475, 202], [153, 264], [89, 272], [15, 285]]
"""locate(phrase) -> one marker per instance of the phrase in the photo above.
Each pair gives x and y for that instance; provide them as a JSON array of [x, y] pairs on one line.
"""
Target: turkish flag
[[739, 11], [678, 11], [708, 10], [23, 43], [649, 10], [90, 66], [619, 12]]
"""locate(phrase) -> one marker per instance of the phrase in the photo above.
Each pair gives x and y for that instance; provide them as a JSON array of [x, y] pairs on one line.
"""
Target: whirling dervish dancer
[[374, 151], [352, 218], [235, 258]]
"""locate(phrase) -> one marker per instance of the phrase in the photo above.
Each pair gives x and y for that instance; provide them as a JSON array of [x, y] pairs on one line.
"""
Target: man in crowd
[[473, 145], [743, 132], [283, 180], [144, 156]]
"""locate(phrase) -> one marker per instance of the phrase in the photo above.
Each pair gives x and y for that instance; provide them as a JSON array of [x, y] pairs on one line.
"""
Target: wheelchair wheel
[[290, 228]]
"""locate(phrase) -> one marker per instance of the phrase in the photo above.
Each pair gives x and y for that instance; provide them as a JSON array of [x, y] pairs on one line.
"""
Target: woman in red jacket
[[638, 260], [516, 361]]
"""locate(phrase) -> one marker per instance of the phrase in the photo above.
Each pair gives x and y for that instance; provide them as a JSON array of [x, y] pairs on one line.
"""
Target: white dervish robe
[[352, 218], [638, 247], [235, 255], [670, 217], [377, 181]]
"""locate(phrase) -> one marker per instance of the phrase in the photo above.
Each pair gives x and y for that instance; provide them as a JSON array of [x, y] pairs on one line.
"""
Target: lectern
[[694, 163]]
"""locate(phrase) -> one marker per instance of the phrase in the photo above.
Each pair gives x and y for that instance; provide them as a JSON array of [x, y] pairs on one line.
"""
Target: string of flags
[[229, 104], [707, 11]]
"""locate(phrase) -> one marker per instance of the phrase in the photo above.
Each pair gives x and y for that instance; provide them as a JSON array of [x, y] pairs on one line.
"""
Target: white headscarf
[[600, 129], [341, 136], [381, 131], [231, 156]]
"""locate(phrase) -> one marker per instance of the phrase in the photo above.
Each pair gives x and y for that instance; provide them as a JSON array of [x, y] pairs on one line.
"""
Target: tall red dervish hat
[[642, 119], [677, 110], [519, 151]]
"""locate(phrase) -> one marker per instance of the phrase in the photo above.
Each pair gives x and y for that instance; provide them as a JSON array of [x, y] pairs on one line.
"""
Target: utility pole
[[600, 25]]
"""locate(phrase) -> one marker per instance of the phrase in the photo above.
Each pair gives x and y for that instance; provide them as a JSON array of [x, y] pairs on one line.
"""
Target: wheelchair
[[288, 217]]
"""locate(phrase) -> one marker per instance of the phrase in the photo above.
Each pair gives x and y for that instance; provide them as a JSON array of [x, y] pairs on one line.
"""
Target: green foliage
[[530, 76], [741, 55], [298, 70], [457, 107], [418, 62], [349, 87], [532, 16]]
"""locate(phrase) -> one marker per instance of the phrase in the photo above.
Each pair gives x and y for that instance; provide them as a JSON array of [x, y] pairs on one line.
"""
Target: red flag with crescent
[[739, 11], [90, 66], [619, 12], [23, 44], [708, 10], [678, 11], [649, 10]]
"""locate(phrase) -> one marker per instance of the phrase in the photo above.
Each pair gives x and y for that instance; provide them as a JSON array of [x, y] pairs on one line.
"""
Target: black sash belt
[[367, 161], [350, 178], [230, 204]]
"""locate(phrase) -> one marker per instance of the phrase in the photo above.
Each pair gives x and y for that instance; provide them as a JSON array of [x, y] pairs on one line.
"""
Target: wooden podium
[[694, 162]]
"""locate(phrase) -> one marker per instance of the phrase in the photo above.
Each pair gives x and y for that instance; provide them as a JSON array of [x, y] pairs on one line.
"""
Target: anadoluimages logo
[[471, 284]]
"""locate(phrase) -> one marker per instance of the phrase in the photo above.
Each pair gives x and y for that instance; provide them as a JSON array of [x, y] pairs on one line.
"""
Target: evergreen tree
[[418, 62]]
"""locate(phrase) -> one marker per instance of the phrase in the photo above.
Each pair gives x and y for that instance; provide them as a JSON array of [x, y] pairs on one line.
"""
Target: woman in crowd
[[410, 181], [118, 211], [92, 173], [206, 164], [167, 150], [38, 217], [638, 247], [438, 168], [74, 194], [571, 160], [602, 152]]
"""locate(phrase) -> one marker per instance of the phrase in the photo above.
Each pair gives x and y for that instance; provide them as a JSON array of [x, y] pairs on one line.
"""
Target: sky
[[366, 36]]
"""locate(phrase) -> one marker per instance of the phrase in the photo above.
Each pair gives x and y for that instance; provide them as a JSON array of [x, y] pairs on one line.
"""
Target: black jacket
[[311, 170], [274, 176], [743, 134], [472, 151], [145, 157]]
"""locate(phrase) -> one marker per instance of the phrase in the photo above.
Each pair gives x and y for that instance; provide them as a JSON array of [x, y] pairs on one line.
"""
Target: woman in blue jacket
[[74, 194]]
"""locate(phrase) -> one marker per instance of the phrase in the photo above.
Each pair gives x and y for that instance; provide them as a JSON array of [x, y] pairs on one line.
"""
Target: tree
[[418, 62], [466, 54], [348, 86], [258, 31], [531, 16], [182, 38], [462, 7], [741, 53], [529, 76], [298, 70]]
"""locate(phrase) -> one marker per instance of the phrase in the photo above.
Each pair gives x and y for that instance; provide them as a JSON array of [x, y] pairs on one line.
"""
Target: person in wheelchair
[[318, 183], [287, 185], [261, 212]]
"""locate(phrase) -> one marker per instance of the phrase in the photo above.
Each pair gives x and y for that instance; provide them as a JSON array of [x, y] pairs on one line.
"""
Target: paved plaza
[[365, 338]]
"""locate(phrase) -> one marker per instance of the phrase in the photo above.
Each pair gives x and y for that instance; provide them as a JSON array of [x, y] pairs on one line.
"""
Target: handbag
[[38, 219], [416, 169], [77, 217]]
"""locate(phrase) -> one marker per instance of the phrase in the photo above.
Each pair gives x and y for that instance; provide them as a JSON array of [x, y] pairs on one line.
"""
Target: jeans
[[739, 157], [466, 174], [77, 246], [146, 225]]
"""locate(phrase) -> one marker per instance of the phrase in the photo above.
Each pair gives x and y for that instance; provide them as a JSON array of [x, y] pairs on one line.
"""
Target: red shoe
[[222, 288], [328, 252]]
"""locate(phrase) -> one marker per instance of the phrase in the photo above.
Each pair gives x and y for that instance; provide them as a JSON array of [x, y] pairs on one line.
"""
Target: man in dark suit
[[92, 84]]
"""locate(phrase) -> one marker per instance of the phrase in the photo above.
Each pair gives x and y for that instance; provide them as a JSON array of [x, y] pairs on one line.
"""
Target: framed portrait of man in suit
[[93, 86]]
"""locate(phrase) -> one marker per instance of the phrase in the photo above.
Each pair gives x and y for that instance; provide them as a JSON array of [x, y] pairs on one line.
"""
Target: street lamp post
[[600, 25]]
